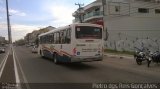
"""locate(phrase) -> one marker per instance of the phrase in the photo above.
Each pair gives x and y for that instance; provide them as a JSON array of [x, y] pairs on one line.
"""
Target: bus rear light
[[74, 51]]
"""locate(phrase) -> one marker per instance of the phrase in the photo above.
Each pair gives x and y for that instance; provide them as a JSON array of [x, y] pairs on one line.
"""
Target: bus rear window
[[87, 32]]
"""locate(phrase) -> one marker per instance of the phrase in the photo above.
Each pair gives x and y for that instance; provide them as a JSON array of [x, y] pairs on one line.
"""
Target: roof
[[68, 27]]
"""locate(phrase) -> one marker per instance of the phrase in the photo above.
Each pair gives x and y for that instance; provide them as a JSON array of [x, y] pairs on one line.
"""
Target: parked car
[[34, 49], [2, 50]]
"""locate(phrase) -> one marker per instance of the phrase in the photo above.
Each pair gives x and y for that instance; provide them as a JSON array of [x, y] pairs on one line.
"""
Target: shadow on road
[[78, 66], [74, 66]]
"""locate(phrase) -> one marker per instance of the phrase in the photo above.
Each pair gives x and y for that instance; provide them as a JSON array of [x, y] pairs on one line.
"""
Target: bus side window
[[45, 37], [40, 40], [52, 38], [61, 37], [68, 36], [48, 39], [64, 36], [44, 40], [58, 37], [55, 38]]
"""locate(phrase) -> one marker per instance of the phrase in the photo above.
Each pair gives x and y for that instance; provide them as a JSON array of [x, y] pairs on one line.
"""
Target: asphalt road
[[40, 70], [2, 55], [33, 69]]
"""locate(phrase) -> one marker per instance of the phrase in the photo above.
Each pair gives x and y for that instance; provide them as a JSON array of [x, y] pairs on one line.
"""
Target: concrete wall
[[129, 29]]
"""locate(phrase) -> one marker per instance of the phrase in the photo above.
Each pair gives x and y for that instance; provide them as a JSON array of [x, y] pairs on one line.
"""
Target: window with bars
[[157, 11], [143, 10]]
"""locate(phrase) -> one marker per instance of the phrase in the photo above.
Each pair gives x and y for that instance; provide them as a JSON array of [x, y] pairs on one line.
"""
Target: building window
[[97, 9], [117, 8], [157, 11], [143, 10]]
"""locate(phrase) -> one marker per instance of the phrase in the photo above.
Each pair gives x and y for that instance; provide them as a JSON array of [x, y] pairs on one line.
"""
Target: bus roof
[[58, 29]]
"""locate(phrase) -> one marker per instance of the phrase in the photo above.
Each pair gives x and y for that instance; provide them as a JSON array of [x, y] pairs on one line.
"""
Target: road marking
[[3, 60], [3, 63], [15, 69], [23, 75]]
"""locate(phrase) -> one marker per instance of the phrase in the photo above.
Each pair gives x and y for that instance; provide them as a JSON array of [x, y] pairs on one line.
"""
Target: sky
[[29, 15]]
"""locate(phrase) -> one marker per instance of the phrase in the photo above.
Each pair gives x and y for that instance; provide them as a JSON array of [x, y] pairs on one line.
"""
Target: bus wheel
[[55, 59]]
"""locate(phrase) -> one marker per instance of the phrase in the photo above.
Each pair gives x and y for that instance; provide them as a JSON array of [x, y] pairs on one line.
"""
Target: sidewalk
[[121, 56]]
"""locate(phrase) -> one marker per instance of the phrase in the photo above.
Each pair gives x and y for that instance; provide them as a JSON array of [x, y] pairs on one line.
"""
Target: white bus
[[81, 42]]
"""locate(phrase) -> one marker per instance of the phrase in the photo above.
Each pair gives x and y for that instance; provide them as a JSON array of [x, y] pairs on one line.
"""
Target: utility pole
[[79, 8], [105, 29], [8, 24], [103, 4]]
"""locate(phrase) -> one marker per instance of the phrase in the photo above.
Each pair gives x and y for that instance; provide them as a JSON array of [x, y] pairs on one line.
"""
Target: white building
[[130, 23], [91, 13], [32, 37], [2, 39]]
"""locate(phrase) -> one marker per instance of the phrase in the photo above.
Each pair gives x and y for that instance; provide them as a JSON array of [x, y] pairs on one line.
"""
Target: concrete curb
[[118, 56]]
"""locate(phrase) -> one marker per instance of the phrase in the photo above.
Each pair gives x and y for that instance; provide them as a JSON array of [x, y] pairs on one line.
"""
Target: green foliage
[[20, 42]]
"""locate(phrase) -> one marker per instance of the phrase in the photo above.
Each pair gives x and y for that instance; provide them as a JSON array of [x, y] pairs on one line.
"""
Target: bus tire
[[55, 59]]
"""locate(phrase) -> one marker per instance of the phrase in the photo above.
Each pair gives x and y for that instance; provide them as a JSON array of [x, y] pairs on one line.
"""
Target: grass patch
[[118, 52]]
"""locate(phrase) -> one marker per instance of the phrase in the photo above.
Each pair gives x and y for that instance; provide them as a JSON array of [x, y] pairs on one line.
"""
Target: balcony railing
[[92, 14]]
